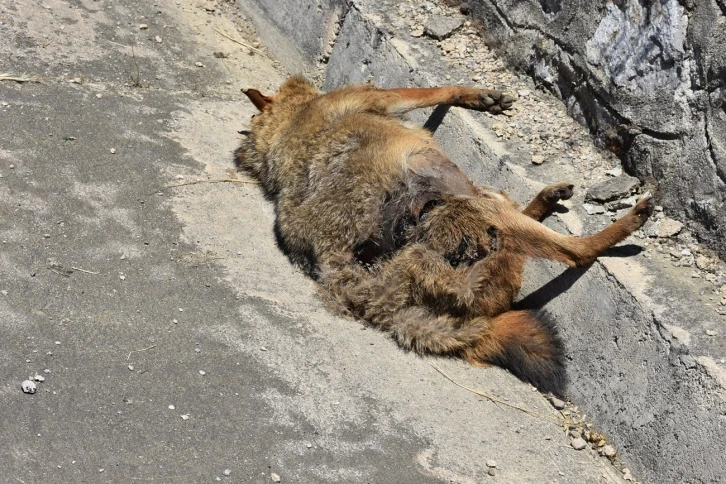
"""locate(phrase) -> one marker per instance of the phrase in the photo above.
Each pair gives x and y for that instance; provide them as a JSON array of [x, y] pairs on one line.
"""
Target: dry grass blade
[[84, 270], [496, 400], [139, 351], [214, 180], [243, 44], [21, 78]]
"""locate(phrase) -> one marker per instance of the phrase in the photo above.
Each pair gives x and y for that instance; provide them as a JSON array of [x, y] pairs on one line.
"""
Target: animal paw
[[494, 101], [558, 191], [644, 209]]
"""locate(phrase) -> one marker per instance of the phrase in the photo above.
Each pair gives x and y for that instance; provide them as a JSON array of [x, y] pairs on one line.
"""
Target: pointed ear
[[260, 101]]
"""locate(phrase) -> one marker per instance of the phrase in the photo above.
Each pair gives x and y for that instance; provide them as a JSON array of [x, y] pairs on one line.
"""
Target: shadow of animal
[[398, 236]]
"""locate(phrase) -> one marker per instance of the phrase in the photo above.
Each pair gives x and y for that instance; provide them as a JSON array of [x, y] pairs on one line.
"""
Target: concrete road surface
[[175, 342]]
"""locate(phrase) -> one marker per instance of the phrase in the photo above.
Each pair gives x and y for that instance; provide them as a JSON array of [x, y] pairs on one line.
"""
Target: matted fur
[[397, 235]]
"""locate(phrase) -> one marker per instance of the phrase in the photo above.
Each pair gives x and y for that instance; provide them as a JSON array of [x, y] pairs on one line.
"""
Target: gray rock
[[620, 204], [669, 227], [612, 189], [609, 451], [538, 159], [593, 209], [578, 443], [440, 27], [557, 403], [617, 171], [28, 386]]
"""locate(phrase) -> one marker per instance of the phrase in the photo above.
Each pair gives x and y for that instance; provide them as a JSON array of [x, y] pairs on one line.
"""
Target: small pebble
[[143, 27], [39, 378], [491, 463], [199, 64], [227, 472], [28, 386], [202, 372], [711, 332], [101, 470], [262, 348], [578, 443], [158, 39], [557, 403], [274, 477], [185, 416], [609, 451], [171, 407], [492, 472], [113, 151], [131, 367]]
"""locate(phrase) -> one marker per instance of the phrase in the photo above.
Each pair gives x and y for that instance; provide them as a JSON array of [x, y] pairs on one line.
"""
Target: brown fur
[[397, 235]]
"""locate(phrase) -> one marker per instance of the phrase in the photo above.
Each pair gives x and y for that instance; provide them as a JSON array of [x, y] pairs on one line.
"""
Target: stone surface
[[578, 443], [669, 227], [439, 27], [612, 189], [609, 451]]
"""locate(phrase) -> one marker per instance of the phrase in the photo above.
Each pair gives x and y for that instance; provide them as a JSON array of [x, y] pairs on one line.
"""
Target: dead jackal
[[397, 235]]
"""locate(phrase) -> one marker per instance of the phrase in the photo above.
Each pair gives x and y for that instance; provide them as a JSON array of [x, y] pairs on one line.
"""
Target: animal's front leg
[[400, 101], [546, 199]]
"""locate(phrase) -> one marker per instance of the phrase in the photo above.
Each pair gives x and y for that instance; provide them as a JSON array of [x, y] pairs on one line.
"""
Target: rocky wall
[[647, 77]]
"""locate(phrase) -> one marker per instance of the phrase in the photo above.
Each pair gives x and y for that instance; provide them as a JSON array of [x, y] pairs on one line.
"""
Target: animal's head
[[457, 227]]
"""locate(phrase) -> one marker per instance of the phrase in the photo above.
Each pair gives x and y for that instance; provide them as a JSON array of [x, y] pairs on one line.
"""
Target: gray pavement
[[174, 339]]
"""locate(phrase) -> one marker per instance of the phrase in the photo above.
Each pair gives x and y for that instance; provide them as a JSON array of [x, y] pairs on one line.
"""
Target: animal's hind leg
[[400, 101], [526, 236], [546, 199]]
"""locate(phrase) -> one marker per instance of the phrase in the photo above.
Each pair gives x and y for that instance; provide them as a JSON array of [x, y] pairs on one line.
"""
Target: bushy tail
[[524, 342], [527, 344], [418, 330]]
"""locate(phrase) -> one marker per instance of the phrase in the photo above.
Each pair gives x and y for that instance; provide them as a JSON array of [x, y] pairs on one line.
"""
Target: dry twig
[[496, 400], [84, 270], [139, 351], [243, 44], [22, 78]]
